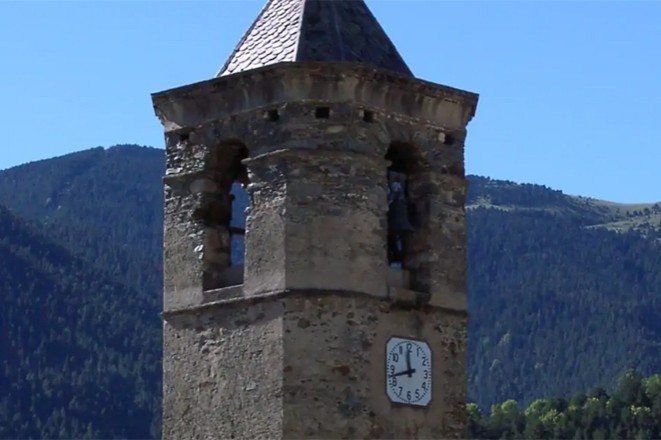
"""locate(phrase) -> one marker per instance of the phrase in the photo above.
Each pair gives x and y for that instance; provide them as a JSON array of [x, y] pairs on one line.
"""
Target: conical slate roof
[[315, 30]]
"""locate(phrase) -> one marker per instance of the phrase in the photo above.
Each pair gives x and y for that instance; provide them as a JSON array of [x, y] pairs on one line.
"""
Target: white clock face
[[408, 371]]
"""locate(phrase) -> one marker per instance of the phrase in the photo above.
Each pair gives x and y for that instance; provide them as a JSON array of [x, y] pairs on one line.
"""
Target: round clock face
[[408, 371]]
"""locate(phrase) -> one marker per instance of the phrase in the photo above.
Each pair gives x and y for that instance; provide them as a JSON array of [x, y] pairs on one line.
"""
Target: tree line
[[631, 411]]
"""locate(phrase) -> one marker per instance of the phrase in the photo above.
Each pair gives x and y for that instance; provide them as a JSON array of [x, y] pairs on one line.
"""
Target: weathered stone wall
[[222, 374], [330, 216], [307, 365], [334, 371], [184, 238]]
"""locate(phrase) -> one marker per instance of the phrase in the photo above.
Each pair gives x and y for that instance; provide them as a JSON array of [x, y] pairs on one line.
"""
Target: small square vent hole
[[322, 112], [273, 115], [368, 116]]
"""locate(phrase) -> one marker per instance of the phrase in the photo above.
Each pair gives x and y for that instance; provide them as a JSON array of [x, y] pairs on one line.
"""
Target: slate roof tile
[[315, 30]]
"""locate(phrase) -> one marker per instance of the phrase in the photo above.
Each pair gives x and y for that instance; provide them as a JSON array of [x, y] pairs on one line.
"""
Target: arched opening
[[224, 217], [401, 213], [403, 158], [408, 217], [240, 204]]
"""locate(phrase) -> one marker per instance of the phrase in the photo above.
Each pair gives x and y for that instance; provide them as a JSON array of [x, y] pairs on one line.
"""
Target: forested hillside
[[79, 351], [559, 301], [103, 205], [596, 214], [557, 307]]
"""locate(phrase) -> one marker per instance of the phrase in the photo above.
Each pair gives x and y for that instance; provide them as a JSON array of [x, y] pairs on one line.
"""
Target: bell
[[398, 208], [398, 217]]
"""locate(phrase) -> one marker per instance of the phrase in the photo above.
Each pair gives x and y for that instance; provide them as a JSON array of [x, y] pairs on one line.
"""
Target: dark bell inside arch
[[399, 218]]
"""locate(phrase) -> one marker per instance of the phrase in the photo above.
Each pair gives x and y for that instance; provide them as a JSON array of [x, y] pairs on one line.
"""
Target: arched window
[[225, 217], [408, 235], [401, 221], [240, 204]]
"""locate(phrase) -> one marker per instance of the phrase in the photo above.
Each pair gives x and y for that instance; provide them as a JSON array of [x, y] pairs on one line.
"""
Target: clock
[[408, 371]]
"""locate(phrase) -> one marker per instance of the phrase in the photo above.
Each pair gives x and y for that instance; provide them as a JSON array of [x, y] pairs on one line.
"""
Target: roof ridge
[[300, 29]]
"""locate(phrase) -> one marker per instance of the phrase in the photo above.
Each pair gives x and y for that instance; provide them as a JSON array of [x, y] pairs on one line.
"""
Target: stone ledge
[[280, 83], [233, 297], [409, 298], [398, 277], [327, 70], [400, 295], [449, 299]]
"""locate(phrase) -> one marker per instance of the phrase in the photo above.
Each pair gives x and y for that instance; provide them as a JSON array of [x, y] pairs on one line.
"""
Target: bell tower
[[299, 322]]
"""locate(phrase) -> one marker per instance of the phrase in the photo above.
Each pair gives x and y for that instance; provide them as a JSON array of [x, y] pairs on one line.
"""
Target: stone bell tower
[[296, 325]]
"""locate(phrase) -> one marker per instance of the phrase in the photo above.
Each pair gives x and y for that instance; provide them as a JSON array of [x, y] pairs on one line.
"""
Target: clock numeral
[[401, 349], [392, 369], [425, 362], [417, 392], [418, 351], [395, 357], [400, 391], [426, 374], [408, 395], [393, 382]]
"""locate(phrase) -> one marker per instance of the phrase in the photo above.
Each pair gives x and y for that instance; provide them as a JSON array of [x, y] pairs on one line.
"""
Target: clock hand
[[408, 362], [401, 373]]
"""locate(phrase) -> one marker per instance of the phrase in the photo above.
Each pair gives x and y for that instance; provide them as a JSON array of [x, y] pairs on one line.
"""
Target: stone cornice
[[277, 84], [233, 297]]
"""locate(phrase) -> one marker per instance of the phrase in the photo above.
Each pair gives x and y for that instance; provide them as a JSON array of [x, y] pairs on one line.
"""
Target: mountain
[[618, 217], [563, 291], [103, 205], [79, 351]]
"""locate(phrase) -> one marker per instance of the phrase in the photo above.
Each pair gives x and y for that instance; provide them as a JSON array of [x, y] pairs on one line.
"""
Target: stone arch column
[[440, 249]]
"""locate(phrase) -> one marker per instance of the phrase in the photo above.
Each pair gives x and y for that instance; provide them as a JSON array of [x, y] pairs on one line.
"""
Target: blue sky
[[570, 91]]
